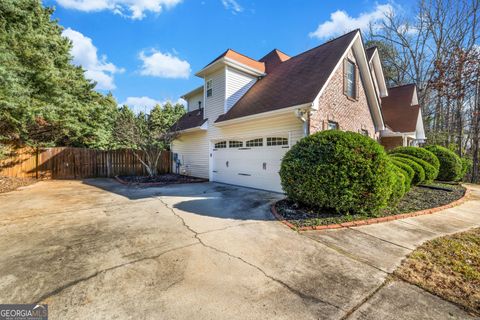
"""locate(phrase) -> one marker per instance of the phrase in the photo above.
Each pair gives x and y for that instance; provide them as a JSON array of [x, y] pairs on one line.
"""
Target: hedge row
[[450, 163]]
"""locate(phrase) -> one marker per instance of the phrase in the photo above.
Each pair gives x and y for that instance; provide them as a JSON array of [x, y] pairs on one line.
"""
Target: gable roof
[[273, 59], [398, 112], [295, 81], [190, 120], [238, 57]]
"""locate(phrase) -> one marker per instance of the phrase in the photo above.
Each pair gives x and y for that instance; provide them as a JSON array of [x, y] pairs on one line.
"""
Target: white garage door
[[252, 163]]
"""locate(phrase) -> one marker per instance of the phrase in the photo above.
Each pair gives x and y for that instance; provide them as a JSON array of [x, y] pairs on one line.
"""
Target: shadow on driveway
[[205, 199]]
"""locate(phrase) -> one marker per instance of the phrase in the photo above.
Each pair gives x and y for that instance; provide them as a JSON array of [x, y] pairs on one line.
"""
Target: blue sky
[[145, 51]]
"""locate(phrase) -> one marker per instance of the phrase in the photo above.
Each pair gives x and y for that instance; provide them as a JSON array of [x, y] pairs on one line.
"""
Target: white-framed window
[[209, 88], [277, 141], [235, 144], [221, 145], [255, 142], [332, 125], [350, 79]]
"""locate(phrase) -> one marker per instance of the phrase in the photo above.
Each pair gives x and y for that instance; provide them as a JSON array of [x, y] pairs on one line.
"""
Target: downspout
[[304, 117]]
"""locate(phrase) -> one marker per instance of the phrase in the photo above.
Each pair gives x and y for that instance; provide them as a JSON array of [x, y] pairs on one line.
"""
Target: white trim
[[230, 62], [378, 69], [203, 127], [263, 115], [192, 92]]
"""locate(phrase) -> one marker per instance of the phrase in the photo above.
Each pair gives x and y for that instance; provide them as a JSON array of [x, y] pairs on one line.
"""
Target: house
[[248, 113]]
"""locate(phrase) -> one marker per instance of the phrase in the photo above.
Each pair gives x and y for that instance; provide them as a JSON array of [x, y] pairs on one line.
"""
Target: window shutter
[[345, 83], [357, 85]]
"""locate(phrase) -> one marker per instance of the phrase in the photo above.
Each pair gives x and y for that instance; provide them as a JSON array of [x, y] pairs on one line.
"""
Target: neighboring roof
[[192, 92], [238, 57], [398, 112], [295, 81], [190, 120], [273, 59], [370, 51]]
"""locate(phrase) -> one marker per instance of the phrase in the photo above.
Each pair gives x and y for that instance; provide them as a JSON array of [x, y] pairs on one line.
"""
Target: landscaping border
[[358, 223], [154, 184]]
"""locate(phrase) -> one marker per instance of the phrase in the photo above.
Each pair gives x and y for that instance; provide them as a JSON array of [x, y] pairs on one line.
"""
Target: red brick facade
[[334, 105]]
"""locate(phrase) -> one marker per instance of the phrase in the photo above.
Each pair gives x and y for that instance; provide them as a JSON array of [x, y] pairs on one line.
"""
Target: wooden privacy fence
[[76, 163]]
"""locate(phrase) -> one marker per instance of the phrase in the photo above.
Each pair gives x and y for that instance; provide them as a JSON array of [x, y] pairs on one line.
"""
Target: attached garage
[[253, 162]]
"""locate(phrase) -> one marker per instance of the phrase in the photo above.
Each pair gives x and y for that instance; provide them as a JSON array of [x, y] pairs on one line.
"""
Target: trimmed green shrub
[[450, 163], [430, 172], [467, 165], [419, 175], [341, 171], [407, 170], [397, 184], [419, 153]]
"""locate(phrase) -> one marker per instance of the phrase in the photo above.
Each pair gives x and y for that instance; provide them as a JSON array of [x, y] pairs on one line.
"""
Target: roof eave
[[230, 62], [192, 92]]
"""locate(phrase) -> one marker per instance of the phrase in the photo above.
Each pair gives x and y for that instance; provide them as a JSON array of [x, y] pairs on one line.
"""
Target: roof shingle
[[190, 120], [398, 112], [293, 82]]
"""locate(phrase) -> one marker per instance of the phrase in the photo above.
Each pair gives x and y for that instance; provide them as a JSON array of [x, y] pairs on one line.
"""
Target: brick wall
[[335, 106]]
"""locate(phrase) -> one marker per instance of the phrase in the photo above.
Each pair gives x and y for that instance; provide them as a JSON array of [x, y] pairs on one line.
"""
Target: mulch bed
[[8, 184], [417, 199], [163, 179]]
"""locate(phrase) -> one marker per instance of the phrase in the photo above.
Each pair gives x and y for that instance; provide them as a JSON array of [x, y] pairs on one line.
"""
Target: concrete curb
[[153, 184], [357, 223]]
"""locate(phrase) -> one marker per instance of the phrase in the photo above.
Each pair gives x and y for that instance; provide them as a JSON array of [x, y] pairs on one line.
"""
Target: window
[[364, 132], [235, 144], [209, 88], [350, 79], [332, 125], [255, 142], [221, 144], [277, 141]]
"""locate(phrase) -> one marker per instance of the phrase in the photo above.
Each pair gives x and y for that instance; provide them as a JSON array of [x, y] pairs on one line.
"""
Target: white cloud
[[232, 5], [340, 22], [85, 54], [164, 65], [134, 9], [145, 104]]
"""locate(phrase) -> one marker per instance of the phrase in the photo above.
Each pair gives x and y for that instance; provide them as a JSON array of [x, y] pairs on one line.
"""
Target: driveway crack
[[83, 279], [303, 296]]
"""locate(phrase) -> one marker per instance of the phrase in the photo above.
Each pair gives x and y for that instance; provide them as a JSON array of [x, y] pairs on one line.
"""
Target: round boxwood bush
[[398, 185], [407, 170], [430, 172], [450, 163], [419, 175], [419, 153], [341, 171]]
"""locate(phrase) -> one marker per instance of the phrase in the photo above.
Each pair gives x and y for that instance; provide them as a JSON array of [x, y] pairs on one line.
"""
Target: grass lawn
[[448, 267], [418, 198]]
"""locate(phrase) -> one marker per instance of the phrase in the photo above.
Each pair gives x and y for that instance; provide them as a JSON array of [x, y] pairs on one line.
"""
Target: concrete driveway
[[100, 250]]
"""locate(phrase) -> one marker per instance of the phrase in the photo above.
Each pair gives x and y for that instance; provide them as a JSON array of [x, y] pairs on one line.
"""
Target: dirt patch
[[8, 184], [448, 267], [417, 199], [164, 179]]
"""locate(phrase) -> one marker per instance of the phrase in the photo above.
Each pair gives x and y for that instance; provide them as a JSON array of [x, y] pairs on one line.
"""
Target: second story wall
[[333, 105], [215, 104], [194, 100], [237, 84]]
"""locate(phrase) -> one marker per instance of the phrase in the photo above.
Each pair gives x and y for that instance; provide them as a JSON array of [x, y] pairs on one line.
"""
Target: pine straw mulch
[[8, 184]]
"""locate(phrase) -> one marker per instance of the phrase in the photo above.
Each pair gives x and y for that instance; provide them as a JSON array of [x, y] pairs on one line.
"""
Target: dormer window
[[209, 88], [350, 79]]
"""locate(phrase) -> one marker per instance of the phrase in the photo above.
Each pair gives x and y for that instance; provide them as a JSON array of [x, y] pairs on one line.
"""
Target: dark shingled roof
[[398, 113], [295, 81], [189, 120], [370, 52], [273, 59]]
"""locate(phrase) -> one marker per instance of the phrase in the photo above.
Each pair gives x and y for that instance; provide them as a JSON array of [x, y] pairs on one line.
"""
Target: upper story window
[[209, 88], [350, 79], [277, 141], [332, 125]]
